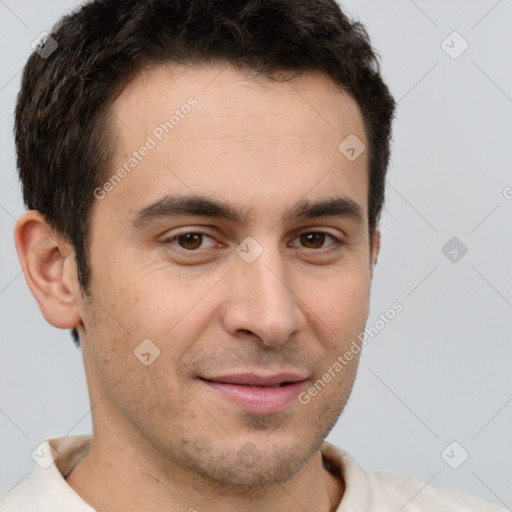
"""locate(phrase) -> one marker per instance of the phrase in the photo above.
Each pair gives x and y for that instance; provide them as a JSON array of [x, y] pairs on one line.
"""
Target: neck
[[118, 474]]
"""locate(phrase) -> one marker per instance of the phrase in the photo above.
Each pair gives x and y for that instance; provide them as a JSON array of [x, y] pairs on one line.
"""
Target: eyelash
[[332, 246], [336, 243]]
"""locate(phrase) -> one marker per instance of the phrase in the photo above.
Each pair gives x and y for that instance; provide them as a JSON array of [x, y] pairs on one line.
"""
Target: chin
[[257, 464], [253, 468]]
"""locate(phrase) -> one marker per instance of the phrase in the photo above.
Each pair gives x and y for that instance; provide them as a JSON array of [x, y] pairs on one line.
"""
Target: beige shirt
[[366, 491]]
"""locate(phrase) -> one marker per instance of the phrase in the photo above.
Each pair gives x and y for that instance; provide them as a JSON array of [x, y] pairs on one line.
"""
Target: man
[[203, 214]]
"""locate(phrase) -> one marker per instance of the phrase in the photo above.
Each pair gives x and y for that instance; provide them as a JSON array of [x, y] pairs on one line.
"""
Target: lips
[[257, 393], [250, 379]]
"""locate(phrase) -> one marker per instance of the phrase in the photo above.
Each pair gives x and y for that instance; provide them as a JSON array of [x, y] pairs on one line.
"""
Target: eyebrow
[[336, 206], [189, 205], [169, 206]]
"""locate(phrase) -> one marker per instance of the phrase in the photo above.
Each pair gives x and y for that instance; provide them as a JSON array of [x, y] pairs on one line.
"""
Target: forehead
[[216, 131]]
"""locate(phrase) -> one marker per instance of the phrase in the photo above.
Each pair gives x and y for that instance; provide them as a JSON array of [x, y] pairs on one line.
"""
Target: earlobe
[[49, 268]]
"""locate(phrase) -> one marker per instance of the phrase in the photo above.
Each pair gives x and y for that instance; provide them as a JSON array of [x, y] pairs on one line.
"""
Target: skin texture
[[164, 439]]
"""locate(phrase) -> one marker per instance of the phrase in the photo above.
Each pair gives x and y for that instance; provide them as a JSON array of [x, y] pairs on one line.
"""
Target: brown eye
[[190, 241], [312, 240]]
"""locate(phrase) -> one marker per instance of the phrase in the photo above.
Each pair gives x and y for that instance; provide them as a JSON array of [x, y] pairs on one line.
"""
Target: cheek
[[337, 311], [173, 311], [133, 295], [341, 298]]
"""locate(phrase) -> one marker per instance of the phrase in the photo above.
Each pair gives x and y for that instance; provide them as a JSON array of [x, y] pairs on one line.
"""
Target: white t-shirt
[[365, 491]]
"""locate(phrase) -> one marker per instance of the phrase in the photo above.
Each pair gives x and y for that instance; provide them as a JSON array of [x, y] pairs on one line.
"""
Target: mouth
[[256, 393]]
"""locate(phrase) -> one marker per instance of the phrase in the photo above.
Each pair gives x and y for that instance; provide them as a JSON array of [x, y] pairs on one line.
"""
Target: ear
[[50, 270], [375, 248]]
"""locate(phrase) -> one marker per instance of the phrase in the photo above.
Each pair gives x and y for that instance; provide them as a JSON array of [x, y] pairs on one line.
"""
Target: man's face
[[242, 325]]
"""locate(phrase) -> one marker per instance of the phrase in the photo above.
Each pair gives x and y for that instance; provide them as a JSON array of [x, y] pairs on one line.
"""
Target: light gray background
[[441, 370]]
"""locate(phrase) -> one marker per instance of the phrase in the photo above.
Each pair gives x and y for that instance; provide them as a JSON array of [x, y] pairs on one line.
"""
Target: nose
[[262, 301]]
